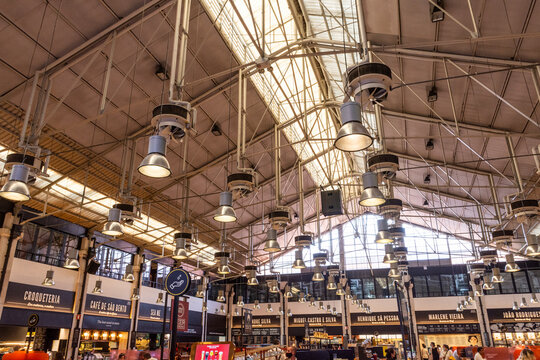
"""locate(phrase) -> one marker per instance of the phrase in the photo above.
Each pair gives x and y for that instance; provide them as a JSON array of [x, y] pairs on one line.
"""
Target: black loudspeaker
[[93, 266], [331, 202]]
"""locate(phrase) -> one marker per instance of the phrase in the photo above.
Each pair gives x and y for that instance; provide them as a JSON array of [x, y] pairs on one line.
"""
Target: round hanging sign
[[177, 282], [33, 320]]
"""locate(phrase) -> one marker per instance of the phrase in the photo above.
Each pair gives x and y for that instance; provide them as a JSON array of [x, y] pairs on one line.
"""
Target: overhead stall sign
[[375, 319], [39, 297], [105, 306], [177, 282]]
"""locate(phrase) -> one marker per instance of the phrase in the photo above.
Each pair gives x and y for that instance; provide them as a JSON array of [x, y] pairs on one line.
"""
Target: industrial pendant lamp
[[222, 309], [470, 298], [534, 299], [328, 308], [321, 306], [523, 303], [49, 278], [200, 291], [271, 244], [72, 260], [225, 212], [256, 304], [273, 287], [331, 283], [221, 296], [240, 301], [298, 260], [488, 285], [389, 256], [371, 195], [383, 235], [135, 294], [251, 274], [394, 271], [288, 293], [532, 249], [311, 301], [128, 275], [348, 295], [353, 135], [302, 297], [16, 189], [97, 288], [160, 299], [317, 275], [180, 252], [289, 312], [223, 259], [113, 226], [497, 277], [340, 291], [236, 312], [155, 164], [515, 306], [511, 265], [269, 308]]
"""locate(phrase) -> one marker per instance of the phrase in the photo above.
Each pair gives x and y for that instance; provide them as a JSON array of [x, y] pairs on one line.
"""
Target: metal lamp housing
[[72, 261], [113, 227], [371, 195], [49, 278], [271, 244], [16, 189], [353, 135], [225, 212], [155, 164], [511, 265]]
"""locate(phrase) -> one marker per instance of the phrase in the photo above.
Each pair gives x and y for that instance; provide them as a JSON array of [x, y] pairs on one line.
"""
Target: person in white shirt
[[446, 353], [479, 353], [425, 352]]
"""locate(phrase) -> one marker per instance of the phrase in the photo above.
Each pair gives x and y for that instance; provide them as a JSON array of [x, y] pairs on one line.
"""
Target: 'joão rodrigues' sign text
[[101, 305], [39, 297], [505, 315]]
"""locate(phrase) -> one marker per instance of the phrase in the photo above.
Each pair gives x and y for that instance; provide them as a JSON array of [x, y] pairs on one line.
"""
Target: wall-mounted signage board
[[106, 306], [446, 317], [314, 320], [105, 323], [389, 318], [39, 297]]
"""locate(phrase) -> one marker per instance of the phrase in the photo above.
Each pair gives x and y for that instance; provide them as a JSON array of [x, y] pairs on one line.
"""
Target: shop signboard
[[247, 321], [259, 321], [153, 312], [389, 318], [468, 328], [105, 306], [446, 317], [183, 316], [106, 323], [314, 320], [512, 316], [39, 297]]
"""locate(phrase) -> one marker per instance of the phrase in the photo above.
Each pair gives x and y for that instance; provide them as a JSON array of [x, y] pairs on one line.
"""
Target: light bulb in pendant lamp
[[383, 235], [221, 296], [180, 252], [298, 260], [331, 285], [225, 212], [223, 260], [16, 188], [113, 227], [394, 271], [72, 260], [317, 274], [533, 248], [155, 164], [251, 274], [353, 135], [497, 277], [511, 265], [371, 195], [271, 244]]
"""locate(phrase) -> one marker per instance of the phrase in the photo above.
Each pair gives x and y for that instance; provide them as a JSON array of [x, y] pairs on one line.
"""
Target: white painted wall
[[33, 273]]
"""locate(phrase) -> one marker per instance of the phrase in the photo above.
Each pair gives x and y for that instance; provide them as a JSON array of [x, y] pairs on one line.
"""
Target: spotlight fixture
[[16, 188], [251, 274], [72, 260], [281, 310], [135, 294], [348, 295], [328, 308], [432, 94], [317, 274], [427, 179], [273, 286], [488, 285], [321, 306], [430, 144], [256, 304], [355, 299], [225, 212], [161, 73], [222, 309], [180, 252], [240, 302], [436, 13], [534, 299], [97, 288], [478, 291], [389, 256], [394, 271], [331, 283], [523, 303], [426, 203], [269, 308], [289, 312], [515, 306], [216, 130], [371, 195], [459, 308], [298, 260], [311, 301], [160, 298], [155, 164], [470, 298], [221, 296], [353, 135], [113, 226], [236, 312], [383, 235], [128, 275], [497, 277], [49, 278], [288, 293], [532, 249], [271, 244], [223, 258], [511, 265], [200, 291], [334, 311], [302, 297]]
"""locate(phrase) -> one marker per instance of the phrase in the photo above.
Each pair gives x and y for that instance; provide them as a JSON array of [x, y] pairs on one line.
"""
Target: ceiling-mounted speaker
[[93, 266], [331, 202]]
